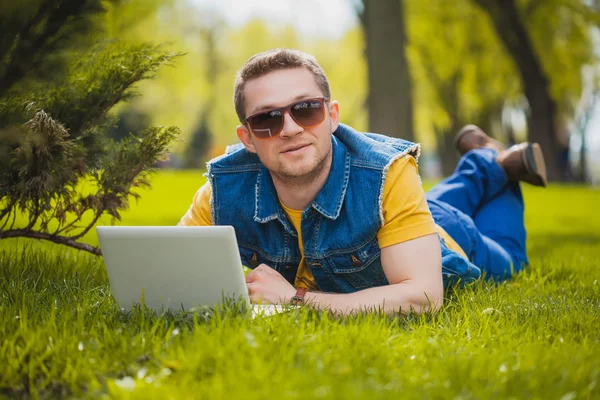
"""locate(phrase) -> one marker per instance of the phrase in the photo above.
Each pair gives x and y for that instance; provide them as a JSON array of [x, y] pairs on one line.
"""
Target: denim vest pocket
[[253, 257], [358, 268]]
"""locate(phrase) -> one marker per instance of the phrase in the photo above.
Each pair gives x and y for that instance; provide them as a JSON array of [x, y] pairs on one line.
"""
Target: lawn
[[536, 336]]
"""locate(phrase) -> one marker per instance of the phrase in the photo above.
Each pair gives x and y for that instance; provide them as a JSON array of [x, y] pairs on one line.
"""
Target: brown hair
[[273, 60]]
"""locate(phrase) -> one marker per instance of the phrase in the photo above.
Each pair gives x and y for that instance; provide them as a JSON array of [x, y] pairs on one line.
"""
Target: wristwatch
[[298, 298]]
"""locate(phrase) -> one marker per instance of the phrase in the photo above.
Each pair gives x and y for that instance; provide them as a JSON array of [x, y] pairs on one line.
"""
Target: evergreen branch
[[7, 215], [99, 211], [6, 211], [29, 42], [65, 228], [35, 217], [143, 72], [14, 219], [99, 80], [65, 240], [43, 160], [90, 225]]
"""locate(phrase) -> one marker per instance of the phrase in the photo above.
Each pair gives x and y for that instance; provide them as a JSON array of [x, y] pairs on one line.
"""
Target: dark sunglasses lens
[[308, 112], [267, 124]]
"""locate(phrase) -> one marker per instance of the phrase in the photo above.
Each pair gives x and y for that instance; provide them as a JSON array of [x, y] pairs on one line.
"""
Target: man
[[338, 219]]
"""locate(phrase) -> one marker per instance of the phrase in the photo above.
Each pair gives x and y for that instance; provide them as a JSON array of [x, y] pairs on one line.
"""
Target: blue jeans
[[483, 213]]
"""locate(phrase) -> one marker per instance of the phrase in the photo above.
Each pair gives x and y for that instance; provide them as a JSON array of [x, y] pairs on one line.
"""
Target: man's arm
[[412, 268]]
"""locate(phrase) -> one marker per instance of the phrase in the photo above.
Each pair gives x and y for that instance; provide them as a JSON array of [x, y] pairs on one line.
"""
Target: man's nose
[[290, 127]]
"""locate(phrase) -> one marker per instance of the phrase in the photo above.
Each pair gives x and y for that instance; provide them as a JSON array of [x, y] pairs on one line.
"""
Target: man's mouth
[[295, 148]]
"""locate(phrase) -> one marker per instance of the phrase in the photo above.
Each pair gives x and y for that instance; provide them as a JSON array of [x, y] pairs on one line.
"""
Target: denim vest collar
[[328, 202], [267, 207]]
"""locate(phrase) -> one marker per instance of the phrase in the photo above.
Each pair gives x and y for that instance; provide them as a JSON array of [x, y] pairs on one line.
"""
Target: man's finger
[[262, 267], [252, 275]]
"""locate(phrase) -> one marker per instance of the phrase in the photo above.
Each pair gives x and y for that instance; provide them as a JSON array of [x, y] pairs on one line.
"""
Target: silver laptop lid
[[175, 267]]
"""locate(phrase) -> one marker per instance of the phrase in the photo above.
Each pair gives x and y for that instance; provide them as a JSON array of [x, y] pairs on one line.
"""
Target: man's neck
[[298, 193]]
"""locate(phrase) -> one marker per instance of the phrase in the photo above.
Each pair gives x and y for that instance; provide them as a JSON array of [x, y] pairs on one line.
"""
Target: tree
[[201, 140], [563, 21], [460, 73], [52, 131], [589, 105], [390, 98]]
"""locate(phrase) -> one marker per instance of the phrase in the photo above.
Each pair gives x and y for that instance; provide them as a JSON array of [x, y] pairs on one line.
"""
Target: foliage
[[537, 336], [561, 31], [181, 96], [460, 71], [464, 74], [53, 130], [35, 34]]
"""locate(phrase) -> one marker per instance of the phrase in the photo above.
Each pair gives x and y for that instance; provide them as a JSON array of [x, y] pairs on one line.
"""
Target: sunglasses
[[306, 113]]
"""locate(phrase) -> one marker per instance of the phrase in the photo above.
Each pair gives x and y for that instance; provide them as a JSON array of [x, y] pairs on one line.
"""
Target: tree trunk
[[582, 127], [445, 149], [448, 91], [512, 32], [583, 162], [390, 97]]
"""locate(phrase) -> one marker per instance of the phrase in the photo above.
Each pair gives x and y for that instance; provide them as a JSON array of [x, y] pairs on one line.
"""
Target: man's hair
[[274, 60]]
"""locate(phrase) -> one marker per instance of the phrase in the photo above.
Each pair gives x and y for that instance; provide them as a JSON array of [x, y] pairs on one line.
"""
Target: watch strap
[[298, 298]]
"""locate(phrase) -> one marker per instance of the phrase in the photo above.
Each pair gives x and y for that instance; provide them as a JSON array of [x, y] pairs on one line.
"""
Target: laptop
[[176, 268]]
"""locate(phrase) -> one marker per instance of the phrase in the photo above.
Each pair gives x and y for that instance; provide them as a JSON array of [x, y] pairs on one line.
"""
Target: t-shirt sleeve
[[199, 212], [405, 211]]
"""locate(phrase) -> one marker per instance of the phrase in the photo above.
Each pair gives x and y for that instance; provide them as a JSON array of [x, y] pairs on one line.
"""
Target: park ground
[[536, 336]]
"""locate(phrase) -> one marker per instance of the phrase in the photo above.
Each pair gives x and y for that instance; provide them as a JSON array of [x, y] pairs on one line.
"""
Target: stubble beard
[[291, 179]]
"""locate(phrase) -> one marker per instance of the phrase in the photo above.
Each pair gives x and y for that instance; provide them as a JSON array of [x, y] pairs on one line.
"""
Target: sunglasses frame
[[284, 110]]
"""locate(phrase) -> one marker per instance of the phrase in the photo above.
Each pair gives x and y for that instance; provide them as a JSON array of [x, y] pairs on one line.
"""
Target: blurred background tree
[[549, 42], [60, 75], [472, 61], [460, 72], [389, 101]]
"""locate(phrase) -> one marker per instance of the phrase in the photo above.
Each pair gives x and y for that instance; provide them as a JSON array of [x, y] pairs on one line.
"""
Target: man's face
[[297, 153]]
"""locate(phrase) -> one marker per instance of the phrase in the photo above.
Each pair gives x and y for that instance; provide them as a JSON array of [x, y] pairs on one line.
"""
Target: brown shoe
[[524, 162], [472, 137]]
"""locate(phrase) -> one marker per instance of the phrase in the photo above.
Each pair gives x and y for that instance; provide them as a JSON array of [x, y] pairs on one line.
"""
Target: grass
[[536, 336]]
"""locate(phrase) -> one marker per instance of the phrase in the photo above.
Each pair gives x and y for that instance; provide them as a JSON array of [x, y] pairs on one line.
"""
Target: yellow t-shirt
[[405, 213], [304, 276]]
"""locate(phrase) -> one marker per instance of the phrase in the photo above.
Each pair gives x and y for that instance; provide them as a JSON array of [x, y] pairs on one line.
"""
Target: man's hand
[[265, 285]]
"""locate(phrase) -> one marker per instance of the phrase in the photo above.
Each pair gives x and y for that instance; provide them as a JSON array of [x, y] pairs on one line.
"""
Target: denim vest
[[339, 228]]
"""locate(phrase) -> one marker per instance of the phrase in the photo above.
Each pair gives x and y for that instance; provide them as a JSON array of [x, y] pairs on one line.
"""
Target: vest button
[[316, 264], [289, 267]]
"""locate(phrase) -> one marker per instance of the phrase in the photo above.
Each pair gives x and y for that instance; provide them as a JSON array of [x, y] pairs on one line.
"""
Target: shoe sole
[[534, 161]]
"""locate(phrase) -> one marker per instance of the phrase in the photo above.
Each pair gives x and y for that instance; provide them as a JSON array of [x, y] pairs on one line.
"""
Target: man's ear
[[245, 137], [334, 115]]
